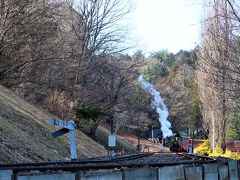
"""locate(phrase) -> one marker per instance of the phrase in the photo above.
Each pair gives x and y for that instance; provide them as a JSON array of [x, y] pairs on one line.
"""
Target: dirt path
[[153, 147]]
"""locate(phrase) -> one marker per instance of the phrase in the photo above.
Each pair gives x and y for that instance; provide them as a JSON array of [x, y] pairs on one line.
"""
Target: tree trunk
[[93, 129]]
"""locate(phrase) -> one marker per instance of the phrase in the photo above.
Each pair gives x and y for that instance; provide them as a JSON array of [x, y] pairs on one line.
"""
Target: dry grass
[[25, 134]]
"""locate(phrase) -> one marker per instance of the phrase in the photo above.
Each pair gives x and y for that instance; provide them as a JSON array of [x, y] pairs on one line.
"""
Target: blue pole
[[73, 147]]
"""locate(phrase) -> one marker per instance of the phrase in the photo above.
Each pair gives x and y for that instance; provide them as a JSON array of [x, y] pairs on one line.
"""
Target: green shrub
[[85, 113], [157, 71]]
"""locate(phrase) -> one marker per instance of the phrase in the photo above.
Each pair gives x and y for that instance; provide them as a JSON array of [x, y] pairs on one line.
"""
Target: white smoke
[[158, 104]]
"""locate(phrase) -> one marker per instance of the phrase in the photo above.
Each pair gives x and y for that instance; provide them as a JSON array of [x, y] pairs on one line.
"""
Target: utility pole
[[112, 137], [152, 132], [193, 140], [139, 145]]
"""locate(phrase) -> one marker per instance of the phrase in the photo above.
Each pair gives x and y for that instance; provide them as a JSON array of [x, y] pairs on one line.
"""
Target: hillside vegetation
[[26, 135]]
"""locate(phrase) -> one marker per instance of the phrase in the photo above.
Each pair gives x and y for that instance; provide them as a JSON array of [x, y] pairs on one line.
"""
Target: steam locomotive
[[179, 141], [174, 142]]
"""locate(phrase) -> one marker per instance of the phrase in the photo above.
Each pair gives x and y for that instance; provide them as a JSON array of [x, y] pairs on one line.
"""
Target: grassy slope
[[25, 135]]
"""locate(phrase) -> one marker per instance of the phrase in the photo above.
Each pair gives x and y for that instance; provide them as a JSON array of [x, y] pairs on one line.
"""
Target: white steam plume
[[158, 104]]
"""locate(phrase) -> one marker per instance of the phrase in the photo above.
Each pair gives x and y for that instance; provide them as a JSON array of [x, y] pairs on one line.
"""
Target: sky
[[166, 24]]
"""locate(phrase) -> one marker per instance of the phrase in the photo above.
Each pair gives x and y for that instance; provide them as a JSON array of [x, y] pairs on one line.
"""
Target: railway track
[[197, 158], [135, 160], [80, 164], [102, 160]]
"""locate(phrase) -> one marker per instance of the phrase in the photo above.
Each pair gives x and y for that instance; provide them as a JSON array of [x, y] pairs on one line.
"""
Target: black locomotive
[[174, 142]]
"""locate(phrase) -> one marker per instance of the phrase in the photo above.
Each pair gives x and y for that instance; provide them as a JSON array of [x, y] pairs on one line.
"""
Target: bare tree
[[218, 71], [99, 30], [25, 30], [108, 85], [92, 37]]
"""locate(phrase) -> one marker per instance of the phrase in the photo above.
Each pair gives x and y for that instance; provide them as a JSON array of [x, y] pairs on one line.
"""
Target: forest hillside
[[73, 59]]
